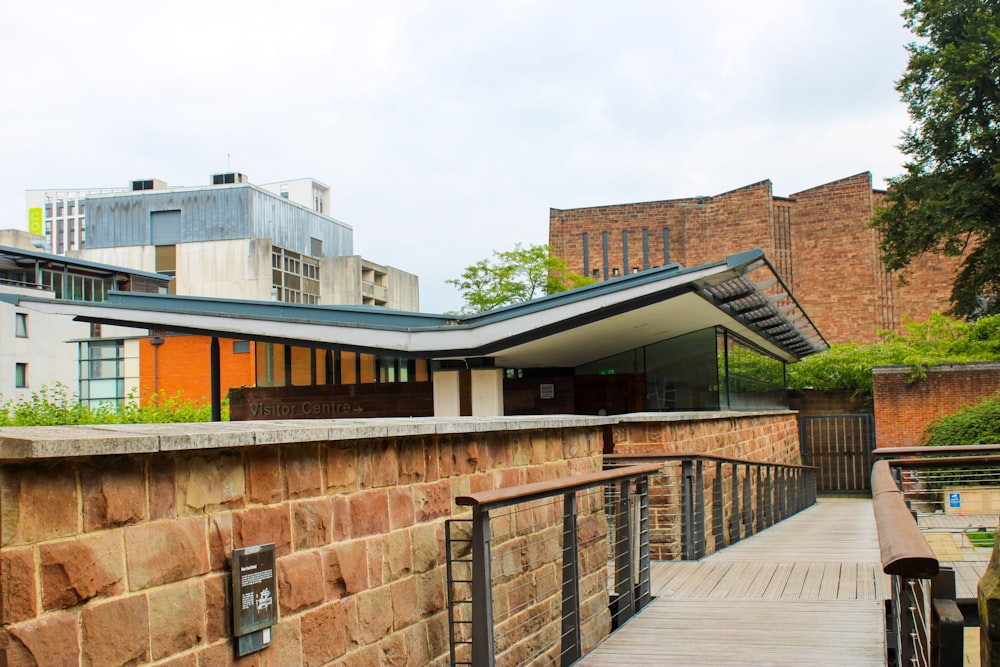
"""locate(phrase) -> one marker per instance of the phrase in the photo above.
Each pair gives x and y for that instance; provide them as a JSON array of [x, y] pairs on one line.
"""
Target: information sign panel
[[255, 589]]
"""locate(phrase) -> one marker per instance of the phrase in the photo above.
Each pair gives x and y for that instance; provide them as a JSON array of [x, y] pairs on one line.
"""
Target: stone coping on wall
[[43, 442], [636, 417], [39, 442], [939, 368]]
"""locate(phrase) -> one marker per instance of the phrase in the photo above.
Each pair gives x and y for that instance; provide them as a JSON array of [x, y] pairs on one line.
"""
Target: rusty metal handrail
[[713, 501], [902, 546], [621, 494], [703, 457], [498, 498], [891, 452]]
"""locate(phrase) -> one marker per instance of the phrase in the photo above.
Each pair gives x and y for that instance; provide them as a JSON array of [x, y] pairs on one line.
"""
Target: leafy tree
[[513, 276], [948, 201]]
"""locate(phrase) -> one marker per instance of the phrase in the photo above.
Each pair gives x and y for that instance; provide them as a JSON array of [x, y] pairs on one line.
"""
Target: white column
[[447, 395], [487, 392]]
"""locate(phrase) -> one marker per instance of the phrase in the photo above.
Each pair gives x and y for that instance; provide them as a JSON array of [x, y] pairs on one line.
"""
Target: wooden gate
[[841, 447]]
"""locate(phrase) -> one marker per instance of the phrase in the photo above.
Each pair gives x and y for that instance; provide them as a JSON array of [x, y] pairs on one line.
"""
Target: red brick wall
[[904, 409], [819, 240], [181, 365]]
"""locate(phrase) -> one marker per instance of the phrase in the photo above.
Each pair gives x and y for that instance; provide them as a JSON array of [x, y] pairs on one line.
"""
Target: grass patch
[[981, 538]]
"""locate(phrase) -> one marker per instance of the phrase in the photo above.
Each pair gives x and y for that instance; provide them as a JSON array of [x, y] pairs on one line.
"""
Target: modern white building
[[59, 215], [233, 239], [98, 362]]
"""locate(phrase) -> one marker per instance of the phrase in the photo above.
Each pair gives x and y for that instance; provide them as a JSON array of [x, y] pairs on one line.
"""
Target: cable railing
[[953, 492], [541, 572], [699, 503], [924, 623]]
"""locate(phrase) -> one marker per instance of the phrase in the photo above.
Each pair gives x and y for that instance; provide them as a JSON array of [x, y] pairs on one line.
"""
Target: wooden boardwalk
[[808, 591]]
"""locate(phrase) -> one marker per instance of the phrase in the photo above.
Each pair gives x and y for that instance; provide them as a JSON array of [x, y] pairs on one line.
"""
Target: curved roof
[[742, 293]]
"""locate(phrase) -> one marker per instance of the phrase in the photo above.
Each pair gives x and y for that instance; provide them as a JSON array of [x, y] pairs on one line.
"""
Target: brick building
[[818, 240]]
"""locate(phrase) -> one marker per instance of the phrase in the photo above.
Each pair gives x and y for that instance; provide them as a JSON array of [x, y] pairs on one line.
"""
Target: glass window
[[21, 325], [20, 375], [682, 373], [241, 347], [752, 378], [102, 379]]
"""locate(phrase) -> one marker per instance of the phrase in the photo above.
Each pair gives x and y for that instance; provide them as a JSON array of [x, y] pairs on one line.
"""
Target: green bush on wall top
[[937, 340], [974, 425]]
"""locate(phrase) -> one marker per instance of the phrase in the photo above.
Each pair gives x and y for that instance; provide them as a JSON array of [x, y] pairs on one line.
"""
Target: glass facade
[[710, 369], [286, 365], [102, 372], [74, 287]]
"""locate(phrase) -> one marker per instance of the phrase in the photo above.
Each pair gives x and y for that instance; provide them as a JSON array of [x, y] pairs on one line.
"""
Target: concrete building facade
[[100, 363], [819, 241]]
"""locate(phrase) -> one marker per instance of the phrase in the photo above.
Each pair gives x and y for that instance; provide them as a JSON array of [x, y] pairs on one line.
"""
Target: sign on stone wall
[[255, 597]]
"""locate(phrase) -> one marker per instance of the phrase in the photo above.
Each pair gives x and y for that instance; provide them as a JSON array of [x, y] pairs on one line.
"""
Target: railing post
[[719, 509], [947, 622], [644, 595], [734, 517], [693, 509], [482, 593], [570, 584], [761, 508], [747, 500], [623, 553]]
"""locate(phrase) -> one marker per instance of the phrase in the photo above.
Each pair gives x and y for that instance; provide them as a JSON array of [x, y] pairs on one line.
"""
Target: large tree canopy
[[948, 201], [513, 276]]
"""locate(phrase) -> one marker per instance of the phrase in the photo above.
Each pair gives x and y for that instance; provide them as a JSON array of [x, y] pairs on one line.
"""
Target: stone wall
[[905, 408], [116, 541], [770, 437]]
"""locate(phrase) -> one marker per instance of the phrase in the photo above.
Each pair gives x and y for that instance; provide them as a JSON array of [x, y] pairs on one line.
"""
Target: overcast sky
[[448, 129]]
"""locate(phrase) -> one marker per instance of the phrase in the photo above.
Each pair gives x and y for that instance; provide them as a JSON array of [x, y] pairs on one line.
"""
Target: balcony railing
[[925, 625], [700, 503], [529, 574]]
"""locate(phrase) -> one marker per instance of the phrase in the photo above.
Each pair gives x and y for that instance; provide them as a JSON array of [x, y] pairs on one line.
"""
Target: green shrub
[[57, 406], [937, 340], [974, 425]]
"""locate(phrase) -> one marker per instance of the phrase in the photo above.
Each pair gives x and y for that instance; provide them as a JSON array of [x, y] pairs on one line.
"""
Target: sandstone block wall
[[904, 408], [116, 541], [772, 438], [124, 558]]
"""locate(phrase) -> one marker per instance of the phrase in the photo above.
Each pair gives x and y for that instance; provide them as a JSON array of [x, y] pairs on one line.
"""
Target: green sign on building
[[35, 225]]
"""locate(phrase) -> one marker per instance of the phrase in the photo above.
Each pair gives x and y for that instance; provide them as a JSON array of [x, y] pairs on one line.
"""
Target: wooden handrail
[[523, 493], [903, 549], [703, 457]]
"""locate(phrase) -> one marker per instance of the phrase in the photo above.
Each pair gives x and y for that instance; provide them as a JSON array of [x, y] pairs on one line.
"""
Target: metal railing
[[529, 574], [923, 621], [701, 503]]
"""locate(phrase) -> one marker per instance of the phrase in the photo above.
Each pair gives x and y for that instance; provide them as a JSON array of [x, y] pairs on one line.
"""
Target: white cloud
[[447, 129]]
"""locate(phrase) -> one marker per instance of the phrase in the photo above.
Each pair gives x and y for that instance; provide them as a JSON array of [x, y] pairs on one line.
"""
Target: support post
[[571, 641], [623, 554], [216, 379], [482, 590]]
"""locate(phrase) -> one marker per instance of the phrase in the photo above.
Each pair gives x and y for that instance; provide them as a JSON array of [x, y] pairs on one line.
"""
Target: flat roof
[[742, 293], [16, 254]]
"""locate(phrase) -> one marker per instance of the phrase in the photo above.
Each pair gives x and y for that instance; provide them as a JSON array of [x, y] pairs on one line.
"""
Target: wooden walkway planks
[[808, 591]]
